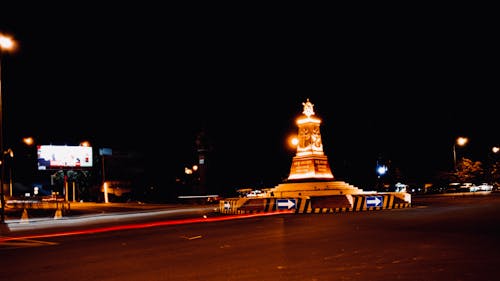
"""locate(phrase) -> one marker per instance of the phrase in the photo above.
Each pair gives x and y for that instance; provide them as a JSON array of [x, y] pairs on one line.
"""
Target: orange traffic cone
[[58, 214], [24, 217]]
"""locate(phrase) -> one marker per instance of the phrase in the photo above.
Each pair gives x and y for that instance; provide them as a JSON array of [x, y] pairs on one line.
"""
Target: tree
[[469, 171], [82, 179]]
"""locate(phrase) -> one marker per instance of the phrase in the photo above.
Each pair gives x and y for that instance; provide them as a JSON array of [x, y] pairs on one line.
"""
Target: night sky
[[142, 78]]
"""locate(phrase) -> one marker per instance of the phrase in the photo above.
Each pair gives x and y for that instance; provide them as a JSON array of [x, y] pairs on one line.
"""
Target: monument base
[[310, 167], [313, 188]]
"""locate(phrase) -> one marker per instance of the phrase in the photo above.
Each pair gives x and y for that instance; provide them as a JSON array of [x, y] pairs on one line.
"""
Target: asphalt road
[[440, 238]]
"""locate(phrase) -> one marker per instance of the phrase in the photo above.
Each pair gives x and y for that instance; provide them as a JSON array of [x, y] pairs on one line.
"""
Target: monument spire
[[308, 108]]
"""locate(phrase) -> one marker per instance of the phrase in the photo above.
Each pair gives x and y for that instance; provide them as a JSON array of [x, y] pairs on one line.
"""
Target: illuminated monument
[[310, 186], [310, 161], [310, 173]]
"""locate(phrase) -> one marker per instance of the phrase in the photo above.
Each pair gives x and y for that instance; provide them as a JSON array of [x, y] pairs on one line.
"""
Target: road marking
[[24, 243], [192, 237]]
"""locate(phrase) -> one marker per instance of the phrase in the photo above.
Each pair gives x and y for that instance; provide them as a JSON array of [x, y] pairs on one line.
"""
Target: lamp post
[[494, 167], [9, 152], [461, 141], [6, 43]]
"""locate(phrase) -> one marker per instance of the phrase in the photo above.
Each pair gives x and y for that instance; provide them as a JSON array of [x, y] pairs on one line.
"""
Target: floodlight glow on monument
[[309, 161]]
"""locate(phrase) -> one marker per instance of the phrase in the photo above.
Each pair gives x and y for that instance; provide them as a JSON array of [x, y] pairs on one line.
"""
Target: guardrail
[[56, 203], [317, 204]]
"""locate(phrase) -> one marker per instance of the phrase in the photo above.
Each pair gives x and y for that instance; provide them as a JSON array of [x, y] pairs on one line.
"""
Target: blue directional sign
[[374, 201], [286, 204]]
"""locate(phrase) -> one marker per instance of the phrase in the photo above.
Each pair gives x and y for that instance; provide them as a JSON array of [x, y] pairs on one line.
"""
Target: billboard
[[64, 157]]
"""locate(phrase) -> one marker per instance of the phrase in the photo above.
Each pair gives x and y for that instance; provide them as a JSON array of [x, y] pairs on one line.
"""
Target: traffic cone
[[24, 217], [58, 214]]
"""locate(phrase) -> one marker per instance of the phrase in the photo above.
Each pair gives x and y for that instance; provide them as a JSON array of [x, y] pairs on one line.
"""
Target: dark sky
[[150, 78]]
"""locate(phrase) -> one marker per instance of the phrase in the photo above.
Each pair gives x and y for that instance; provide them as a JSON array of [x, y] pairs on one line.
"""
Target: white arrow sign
[[374, 201], [285, 203], [227, 205]]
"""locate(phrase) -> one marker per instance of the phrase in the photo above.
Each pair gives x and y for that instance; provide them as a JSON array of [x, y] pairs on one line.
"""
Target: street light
[[461, 141], [28, 141], [6, 44]]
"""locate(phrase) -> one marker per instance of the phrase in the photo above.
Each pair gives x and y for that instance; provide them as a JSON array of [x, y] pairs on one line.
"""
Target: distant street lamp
[[85, 143], [6, 44], [461, 141], [28, 141], [381, 170]]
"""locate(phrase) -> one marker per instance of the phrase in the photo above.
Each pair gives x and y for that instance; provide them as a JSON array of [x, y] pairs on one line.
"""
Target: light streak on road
[[135, 225]]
